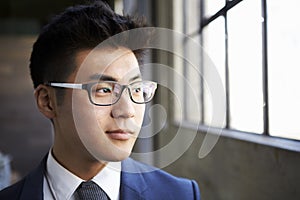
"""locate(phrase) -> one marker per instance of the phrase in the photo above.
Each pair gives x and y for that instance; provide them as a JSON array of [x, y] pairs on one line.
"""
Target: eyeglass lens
[[110, 92]]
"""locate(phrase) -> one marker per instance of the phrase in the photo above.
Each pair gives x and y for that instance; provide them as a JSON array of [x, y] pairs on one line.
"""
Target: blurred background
[[254, 47]]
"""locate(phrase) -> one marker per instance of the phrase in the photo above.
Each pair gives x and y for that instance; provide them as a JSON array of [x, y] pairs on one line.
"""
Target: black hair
[[77, 28]]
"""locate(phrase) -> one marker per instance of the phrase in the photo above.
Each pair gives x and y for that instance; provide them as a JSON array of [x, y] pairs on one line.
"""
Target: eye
[[137, 89], [103, 90]]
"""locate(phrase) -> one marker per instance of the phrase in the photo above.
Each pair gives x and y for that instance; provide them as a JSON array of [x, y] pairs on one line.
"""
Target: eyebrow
[[138, 76], [103, 77]]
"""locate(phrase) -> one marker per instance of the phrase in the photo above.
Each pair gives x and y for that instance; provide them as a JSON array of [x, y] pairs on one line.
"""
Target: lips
[[120, 134]]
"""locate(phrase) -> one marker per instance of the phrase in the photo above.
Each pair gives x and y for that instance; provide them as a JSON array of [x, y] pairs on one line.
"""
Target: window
[[284, 61], [254, 47], [245, 66]]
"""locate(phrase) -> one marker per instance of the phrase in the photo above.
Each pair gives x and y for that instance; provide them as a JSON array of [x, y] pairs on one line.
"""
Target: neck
[[85, 168]]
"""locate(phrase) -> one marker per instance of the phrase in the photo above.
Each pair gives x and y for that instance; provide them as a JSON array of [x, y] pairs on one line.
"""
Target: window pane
[[178, 100], [213, 6], [193, 16], [284, 71], [214, 47], [187, 78], [245, 66], [119, 6], [192, 82]]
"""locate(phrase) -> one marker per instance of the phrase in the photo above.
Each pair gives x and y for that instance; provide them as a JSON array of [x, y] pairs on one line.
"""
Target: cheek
[[84, 113], [102, 115], [139, 113]]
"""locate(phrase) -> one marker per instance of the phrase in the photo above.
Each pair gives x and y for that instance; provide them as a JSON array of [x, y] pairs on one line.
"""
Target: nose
[[124, 107]]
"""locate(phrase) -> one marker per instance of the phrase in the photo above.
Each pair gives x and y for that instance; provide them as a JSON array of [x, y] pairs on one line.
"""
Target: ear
[[45, 101]]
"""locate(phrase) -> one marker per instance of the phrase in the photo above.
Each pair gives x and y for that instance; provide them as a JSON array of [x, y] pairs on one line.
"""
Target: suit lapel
[[33, 185], [132, 181]]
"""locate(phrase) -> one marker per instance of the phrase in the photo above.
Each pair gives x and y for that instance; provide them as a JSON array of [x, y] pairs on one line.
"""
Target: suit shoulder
[[31, 185], [163, 183], [153, 172], [172, 186], [12, 192]]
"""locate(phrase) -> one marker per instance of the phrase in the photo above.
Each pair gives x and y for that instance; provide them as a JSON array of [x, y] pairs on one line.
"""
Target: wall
[[25, 134], [237, 169], [234, 169]]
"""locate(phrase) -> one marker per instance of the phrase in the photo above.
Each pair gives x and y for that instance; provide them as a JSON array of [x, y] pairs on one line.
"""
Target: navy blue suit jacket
[[152, 185]]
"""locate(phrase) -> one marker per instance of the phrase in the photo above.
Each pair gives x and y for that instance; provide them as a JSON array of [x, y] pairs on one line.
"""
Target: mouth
[[120, 134]]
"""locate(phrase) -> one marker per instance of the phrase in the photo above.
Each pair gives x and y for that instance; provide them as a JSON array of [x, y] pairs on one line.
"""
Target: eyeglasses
[[106, 93]]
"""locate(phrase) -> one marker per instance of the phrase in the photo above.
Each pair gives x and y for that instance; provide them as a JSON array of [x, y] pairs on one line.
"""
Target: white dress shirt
[[60, 184]]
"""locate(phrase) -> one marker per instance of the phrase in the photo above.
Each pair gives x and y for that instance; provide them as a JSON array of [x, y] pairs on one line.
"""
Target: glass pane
[[192, 82], [212, 6], [193, 16], [178, 99], [119, 6], [214, 47], [284, 71], [245, 66], [186, 76]]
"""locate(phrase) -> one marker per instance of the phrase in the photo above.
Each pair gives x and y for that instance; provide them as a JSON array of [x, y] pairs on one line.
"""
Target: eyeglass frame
[[88, 87]]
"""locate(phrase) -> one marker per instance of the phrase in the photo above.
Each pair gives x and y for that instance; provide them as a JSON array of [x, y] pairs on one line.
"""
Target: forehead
[[118, 63]]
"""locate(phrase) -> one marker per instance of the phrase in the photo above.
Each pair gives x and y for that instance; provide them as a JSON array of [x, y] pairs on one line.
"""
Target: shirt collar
[[64, 183], [109, 179]]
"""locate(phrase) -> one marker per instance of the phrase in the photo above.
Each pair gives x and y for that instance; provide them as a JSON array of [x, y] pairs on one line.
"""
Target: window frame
[[265, 138]]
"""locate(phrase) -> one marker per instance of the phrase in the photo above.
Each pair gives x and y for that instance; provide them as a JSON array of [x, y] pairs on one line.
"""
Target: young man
[[95, 99]]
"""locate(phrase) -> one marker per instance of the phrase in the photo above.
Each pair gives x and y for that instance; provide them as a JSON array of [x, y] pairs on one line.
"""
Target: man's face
[[107, 132]]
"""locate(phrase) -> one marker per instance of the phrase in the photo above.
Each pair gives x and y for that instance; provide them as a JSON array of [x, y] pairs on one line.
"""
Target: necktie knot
[[91, 191]]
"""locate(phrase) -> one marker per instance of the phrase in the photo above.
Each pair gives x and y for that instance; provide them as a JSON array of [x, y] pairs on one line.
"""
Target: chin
[[112, 154], [119, 159], [120, 156]]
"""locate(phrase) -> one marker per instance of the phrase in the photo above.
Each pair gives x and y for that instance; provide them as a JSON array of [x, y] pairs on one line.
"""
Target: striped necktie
[[91, 191]]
